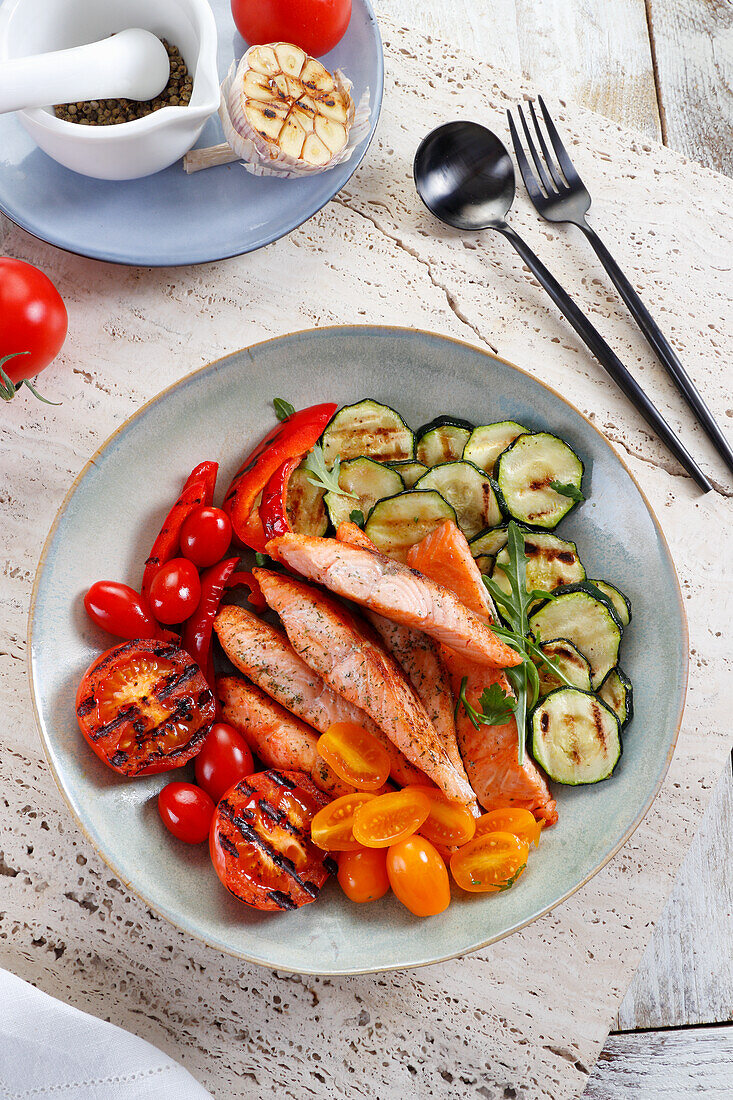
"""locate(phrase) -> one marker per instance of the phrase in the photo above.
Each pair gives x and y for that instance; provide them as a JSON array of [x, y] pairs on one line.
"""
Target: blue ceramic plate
[[219, 412], [172, 218]]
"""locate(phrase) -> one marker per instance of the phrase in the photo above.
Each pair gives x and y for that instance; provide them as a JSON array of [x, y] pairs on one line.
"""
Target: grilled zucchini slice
[[409, 471], [470, 493], [588, 623], [397, 523], [571, 663], [367, 428], [442, 440], [617, 693], [489, 440], [489, 543], [524, 472], [368, 480], [551, 562], [575, 737], [304, 504], [621, 603]]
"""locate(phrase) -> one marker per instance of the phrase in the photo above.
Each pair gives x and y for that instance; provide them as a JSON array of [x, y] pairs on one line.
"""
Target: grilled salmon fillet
[[417, 655], [395, 591], [264, 654], [330, 640], [278, 738], [445, 556]]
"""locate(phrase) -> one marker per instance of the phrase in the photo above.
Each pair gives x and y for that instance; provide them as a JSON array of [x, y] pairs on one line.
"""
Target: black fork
[[559, 195]]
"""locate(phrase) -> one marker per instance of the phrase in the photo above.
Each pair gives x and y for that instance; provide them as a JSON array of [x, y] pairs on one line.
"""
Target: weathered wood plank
[[686, 974], [598, 55], [693, 47], [664, 1065]]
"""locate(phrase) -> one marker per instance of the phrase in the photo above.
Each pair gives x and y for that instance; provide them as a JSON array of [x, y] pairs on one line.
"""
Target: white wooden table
[[663, 68]]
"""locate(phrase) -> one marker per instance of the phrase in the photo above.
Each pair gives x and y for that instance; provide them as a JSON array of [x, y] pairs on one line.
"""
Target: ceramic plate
[[172, 218], [120, 498]]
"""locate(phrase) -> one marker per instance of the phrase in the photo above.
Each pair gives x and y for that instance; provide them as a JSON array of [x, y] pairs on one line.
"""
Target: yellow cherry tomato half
[[362, 874], [521, 823], [387, 818], [332, 827], [355, 755], [448, 823], [418, 876], [489, 863]]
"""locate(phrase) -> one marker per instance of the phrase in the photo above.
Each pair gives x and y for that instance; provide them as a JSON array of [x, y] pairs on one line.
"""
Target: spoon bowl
[[465, 176]]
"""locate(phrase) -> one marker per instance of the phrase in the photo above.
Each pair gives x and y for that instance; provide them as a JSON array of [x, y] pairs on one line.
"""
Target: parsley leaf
[[496, 706], [567, 489], [283, 409], [357, 517], [322, 477]]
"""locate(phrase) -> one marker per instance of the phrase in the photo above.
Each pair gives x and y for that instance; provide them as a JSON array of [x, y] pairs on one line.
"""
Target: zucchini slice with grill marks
[[367, 428], [397, 523], [368, 480], [621, 603], [489, 543], [588, 623], [575, 737], [551, 562], [524, 472], [470, 493], [571, 663], [304, 505], [489, 440], [442, 440], [409, 471], [617, 693]]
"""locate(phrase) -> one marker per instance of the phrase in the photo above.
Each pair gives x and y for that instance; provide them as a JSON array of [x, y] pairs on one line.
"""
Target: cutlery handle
[[607, 357], [661, 346]]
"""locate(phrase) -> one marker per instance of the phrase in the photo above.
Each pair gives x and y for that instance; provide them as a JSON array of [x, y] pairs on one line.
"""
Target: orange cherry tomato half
[[363, 874], [389, 818], [332, 827], [521, 823], [489, 863], [355, 755], [418, 876], [448, 822]]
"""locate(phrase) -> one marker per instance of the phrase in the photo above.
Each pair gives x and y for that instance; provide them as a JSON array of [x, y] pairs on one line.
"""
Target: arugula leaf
[[567, 489], [496, 706], [357, 517], [322, 477], [283, 409]]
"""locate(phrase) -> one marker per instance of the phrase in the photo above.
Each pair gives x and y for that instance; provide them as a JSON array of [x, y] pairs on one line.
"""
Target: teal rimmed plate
[[107, 522]]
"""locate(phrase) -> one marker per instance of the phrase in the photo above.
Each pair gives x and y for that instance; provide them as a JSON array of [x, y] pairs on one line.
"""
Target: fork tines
[[553, 176]]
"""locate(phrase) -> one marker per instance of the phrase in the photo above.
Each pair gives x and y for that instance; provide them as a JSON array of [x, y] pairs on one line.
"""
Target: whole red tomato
[[33, 319], [314, 25], [224, 759], [119, 609], [175, 591], [186, 811], [205, 535]]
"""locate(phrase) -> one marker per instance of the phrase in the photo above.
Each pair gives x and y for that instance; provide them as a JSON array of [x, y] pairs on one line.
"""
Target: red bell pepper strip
[[206, 472], [165, 546], [294, 436], [197, 631], [273, 506], [255, 597]]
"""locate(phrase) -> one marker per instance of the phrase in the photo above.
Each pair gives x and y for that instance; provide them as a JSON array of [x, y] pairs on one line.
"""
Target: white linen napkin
[[51, 1050]]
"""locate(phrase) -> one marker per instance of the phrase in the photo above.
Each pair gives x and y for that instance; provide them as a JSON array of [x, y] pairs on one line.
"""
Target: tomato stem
[[9, 388]]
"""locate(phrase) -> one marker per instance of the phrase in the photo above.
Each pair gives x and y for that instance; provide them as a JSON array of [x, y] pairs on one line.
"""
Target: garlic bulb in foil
[[284, 114]]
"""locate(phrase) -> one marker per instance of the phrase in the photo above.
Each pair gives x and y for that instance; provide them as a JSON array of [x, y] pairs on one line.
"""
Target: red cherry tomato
[[186, 811], [33, 318], [120, 610], [205, 536], [225, 758], [314, 25], [362, 874], [175, 591]]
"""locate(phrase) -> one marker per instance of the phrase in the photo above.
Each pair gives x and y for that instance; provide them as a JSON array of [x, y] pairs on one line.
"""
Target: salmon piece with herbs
[[264, 654], [329, 639], [445, 556], [395, 591]]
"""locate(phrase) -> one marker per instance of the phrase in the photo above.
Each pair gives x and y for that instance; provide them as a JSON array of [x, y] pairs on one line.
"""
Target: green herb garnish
[[323, 478], [283, 409], [567, 489], [496, 706], [357, 517]]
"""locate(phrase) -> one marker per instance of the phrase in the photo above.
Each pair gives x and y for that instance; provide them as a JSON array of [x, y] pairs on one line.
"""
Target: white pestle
[[131, 64]]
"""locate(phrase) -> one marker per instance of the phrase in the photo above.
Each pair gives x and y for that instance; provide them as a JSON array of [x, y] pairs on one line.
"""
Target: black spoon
[[465, 177]]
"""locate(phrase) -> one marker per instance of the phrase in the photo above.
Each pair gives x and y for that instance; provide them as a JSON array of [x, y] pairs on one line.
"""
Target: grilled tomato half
[[144, 707], [260, 841]]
